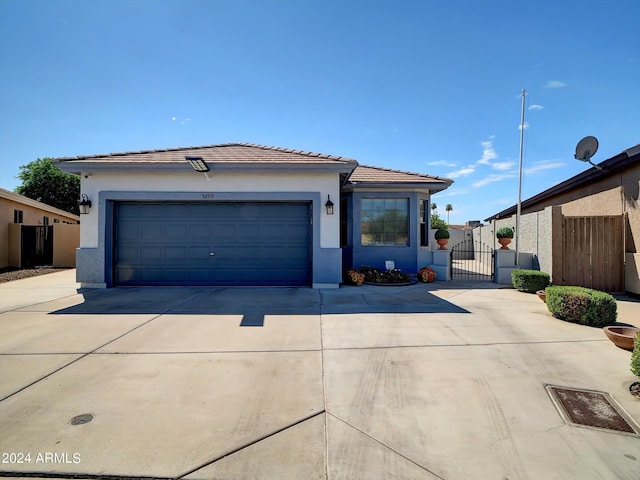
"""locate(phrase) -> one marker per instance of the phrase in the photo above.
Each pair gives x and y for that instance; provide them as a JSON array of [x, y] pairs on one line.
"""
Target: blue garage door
[[267, 244]]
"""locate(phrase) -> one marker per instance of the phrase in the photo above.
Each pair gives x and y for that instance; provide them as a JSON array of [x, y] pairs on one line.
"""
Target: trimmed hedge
[[530, 280], [582, 305], [442, 234], [505, 232], [635, 357]]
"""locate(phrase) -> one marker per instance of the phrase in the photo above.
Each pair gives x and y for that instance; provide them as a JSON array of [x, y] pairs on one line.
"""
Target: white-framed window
[[424, 221], [384, 222]]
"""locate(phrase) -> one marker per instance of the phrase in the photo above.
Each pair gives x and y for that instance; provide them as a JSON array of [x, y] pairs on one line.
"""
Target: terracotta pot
[[442, 242], [504, 242], [542, 295], [623, 337]]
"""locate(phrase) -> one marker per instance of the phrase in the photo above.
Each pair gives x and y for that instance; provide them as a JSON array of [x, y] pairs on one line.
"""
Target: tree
[[43, 181], [448, 208], [434, 207], [437, 222]]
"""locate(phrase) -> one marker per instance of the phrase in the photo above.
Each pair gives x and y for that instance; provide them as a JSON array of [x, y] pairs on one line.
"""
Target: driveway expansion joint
[[386, 446], [251, 443]]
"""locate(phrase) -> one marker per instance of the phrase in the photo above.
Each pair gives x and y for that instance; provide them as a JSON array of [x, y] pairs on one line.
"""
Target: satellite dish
[[587, 148]]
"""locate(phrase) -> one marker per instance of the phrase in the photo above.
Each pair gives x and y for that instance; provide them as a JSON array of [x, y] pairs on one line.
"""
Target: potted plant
[[426, 275], [355, 277], [504, 235], [442, 237]]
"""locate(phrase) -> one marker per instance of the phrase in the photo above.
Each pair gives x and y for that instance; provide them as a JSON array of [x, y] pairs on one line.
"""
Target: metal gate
[[472, 260], [37, 245]]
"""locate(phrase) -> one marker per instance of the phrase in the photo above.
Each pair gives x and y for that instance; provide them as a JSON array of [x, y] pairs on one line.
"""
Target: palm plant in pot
[[504, 235], [442, 237]]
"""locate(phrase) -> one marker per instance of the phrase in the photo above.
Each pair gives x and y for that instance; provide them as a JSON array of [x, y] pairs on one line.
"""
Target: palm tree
[[448, 208]]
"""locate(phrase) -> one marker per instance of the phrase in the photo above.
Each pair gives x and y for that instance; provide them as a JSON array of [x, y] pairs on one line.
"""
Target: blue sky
[[426, 86]]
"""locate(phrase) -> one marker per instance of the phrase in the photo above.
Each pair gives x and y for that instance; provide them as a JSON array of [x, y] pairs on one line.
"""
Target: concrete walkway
[[439, 381]]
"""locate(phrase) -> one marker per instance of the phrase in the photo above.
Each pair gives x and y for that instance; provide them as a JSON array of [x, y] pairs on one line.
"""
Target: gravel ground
[[31, 272]]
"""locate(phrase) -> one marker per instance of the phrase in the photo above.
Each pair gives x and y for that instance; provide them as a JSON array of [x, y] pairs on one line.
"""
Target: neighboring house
[[34, 233], [244, 214], [585, 230]]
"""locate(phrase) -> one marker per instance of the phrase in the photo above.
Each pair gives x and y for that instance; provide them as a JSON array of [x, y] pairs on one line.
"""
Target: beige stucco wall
[[616, 195], [13, 245], [66, 239], [32, 214]]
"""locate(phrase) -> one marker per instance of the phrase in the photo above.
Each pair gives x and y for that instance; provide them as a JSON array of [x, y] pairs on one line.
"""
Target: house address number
[[207, 195]]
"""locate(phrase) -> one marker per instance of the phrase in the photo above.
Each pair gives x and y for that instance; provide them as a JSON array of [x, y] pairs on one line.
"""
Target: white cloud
[[555, 84], [462, 172], [494, 177], [173, 118], [526, 126], [453, 192], [535, 107], [541, 166], [488, 152], [502, 165], [442, 163]]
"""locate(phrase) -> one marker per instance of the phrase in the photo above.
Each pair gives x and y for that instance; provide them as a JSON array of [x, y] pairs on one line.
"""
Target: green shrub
[[442, 234], [582, 305], [635, 357], [529, 280], [505, 232]]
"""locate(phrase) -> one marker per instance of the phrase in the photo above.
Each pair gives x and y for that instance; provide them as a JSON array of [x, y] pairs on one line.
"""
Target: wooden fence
[[593, 252]]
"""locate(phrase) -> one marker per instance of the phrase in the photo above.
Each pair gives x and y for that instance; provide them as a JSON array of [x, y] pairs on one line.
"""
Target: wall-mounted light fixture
[[329, 206], [84, 204], [199, 165]]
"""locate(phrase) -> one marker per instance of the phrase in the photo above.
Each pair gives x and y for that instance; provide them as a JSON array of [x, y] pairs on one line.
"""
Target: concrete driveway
[[441, 381]]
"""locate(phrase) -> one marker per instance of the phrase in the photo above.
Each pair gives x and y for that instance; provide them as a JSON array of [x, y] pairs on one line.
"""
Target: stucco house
[[33, 232], [245, 214], [586, 230]]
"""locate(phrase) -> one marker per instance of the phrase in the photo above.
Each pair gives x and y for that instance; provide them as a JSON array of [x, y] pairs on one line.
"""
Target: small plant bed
[[529, 281], [373, 276], [582, 305]]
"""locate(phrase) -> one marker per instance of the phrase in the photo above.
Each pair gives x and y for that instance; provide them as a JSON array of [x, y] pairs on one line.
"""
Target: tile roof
[[249, 154], [367, 174], [229, 153], [14, 197]]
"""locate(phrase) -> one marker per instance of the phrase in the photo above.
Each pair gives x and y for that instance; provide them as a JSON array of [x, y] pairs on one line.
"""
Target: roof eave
[[431, 187], [79, 166], [607, 167]]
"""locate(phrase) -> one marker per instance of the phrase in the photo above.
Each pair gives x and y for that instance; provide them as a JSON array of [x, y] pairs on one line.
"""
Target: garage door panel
[[199, 232], [151, 231], [151, 210], [128, 254], [178, 275], [178, 210], [199, 210], [177, 233], [253, 244], [175, 254]]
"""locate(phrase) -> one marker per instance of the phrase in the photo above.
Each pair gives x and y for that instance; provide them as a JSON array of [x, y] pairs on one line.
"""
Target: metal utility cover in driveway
[[590, 408], [213, 243]]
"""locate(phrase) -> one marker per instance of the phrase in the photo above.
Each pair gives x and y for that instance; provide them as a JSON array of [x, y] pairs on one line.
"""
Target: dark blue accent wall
[[408, 258]]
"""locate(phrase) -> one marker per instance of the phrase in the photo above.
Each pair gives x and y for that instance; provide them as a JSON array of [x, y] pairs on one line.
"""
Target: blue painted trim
[[326, 266], [409, 258]]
